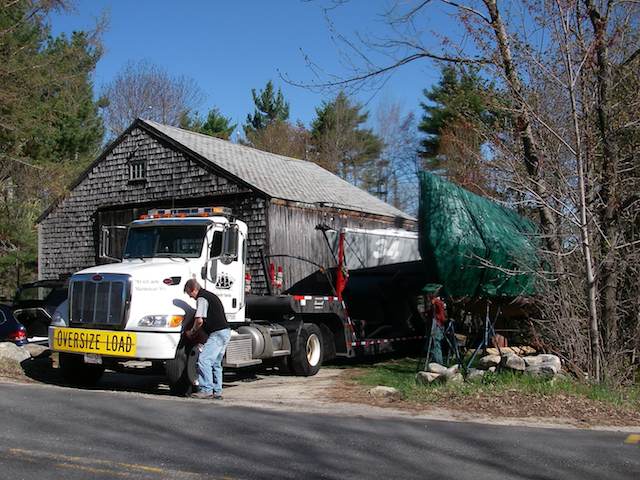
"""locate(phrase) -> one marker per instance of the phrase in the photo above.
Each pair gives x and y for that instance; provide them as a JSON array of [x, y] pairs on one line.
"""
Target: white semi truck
[[137, 310]]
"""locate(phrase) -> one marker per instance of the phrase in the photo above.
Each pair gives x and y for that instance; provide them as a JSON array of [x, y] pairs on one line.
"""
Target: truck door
[[112, 240], [111, 232], [225, 272]]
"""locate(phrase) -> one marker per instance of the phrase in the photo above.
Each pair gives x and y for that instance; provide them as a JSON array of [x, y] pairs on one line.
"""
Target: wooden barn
[[151, 165]]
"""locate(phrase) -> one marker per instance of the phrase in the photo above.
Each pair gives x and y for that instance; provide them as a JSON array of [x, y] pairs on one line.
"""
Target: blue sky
[[230, 47]]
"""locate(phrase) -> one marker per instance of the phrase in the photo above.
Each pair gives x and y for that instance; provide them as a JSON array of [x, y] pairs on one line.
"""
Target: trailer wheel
[[76, 372], [182, 370], [307, 351]]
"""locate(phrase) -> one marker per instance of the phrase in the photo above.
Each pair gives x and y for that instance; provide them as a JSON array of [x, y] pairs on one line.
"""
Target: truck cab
[[137, 308]]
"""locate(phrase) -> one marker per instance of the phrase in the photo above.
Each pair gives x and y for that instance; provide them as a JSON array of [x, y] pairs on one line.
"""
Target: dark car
[[10, 329], [35, 303]]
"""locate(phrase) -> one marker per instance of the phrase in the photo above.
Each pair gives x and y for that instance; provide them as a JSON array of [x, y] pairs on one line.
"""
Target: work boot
[[202, 395], [217, 396]]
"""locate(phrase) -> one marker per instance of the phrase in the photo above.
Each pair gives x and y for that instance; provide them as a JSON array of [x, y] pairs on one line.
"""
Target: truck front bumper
[[109, 343]]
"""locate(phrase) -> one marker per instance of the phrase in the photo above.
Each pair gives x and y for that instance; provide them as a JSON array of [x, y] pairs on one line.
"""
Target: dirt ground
[[334, 391]]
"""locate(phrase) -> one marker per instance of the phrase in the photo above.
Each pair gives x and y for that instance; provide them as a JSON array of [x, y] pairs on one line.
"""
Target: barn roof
[[276, 175]]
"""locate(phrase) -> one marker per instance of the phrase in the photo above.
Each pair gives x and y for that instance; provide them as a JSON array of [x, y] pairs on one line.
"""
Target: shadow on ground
[[143, 377]]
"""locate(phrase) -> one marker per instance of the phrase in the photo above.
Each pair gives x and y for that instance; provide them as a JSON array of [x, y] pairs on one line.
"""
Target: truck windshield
[[165, 241]]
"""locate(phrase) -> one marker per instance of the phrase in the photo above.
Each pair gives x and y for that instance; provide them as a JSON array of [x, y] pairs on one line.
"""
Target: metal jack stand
[[452, 341], [449, 336], [487, 334]]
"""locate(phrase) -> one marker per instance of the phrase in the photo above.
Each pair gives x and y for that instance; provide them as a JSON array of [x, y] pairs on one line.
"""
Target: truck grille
[[99, 302]]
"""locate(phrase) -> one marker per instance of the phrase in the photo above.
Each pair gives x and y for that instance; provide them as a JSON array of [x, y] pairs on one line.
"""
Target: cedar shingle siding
[[175, 176]]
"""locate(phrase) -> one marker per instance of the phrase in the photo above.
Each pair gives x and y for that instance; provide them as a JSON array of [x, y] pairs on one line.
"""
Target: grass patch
[[400, 373]]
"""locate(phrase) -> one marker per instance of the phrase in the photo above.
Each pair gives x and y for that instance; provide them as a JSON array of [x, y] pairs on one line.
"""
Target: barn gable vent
[[137, 167]]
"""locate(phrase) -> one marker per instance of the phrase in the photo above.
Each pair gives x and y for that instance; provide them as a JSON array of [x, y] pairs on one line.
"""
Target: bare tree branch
[[467, 9], [379, 71]]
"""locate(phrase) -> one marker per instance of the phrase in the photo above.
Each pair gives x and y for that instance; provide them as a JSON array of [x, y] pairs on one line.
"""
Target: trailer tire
[[182, 371], [76, 372], [307, 351]]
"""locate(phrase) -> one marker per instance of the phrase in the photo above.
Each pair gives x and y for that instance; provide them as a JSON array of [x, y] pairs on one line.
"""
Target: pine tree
[[270, 106], [215, 124], [50, 127], [456, 111], [47, 112], [341, 144]]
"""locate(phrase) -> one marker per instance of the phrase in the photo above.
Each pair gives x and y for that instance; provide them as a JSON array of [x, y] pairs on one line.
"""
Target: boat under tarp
[[475, 247]]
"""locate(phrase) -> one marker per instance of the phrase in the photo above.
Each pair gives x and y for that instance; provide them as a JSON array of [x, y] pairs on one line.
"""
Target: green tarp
[[475, 247]]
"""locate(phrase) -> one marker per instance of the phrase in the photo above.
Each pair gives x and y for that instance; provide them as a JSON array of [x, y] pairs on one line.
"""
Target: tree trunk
[[591, 286], [608, 193], [532, 159]]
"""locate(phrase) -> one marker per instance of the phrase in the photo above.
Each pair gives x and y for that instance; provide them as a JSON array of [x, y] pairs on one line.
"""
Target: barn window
[[137, 170]]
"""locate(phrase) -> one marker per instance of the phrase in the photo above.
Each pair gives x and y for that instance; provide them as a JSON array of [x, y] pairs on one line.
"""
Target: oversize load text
[[98, 342]]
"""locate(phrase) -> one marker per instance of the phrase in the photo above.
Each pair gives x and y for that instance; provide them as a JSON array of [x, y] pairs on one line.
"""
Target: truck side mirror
[[230, 244], [112, 242], [209, 273]]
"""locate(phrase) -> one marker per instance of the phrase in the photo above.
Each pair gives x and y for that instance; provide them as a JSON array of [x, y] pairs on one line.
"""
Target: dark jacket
[[215, 319]]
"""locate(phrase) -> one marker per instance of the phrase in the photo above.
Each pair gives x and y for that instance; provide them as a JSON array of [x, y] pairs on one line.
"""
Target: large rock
[[475, 374], [523, 350], [544, 359], [545, 370], [436, 368], [385, 393], [455, 378], [543, 365], [10, 351], [36, 350], [489, 361], [452, 370], [426, 378], [513, 362]]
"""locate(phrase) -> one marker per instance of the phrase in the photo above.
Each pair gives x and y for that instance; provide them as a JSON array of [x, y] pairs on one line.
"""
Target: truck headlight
[[161, 321]]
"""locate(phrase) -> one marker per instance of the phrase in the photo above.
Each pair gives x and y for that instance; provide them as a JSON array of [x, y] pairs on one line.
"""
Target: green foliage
[[341, 143], [18, 242], [50, 127], [74, 132], [270, 106], [455, 111], [215, 124], [47, 111]]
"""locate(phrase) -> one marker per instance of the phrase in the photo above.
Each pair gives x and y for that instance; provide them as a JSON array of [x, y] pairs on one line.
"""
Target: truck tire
[[182, 371], [76, 372], [306, 351]]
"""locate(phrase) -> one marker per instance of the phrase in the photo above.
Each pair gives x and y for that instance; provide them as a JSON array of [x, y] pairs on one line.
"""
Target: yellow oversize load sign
[[101, 342]]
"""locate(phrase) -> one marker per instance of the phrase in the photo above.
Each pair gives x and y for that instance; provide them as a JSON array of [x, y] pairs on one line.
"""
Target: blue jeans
[[210, 361], [436, 349]]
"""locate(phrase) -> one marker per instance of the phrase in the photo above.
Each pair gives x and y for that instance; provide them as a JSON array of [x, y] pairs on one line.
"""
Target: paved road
[[50, 432]]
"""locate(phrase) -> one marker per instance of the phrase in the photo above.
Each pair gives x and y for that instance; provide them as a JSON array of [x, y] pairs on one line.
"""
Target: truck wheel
[[306, 355], [76, 372], [182, 371]]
